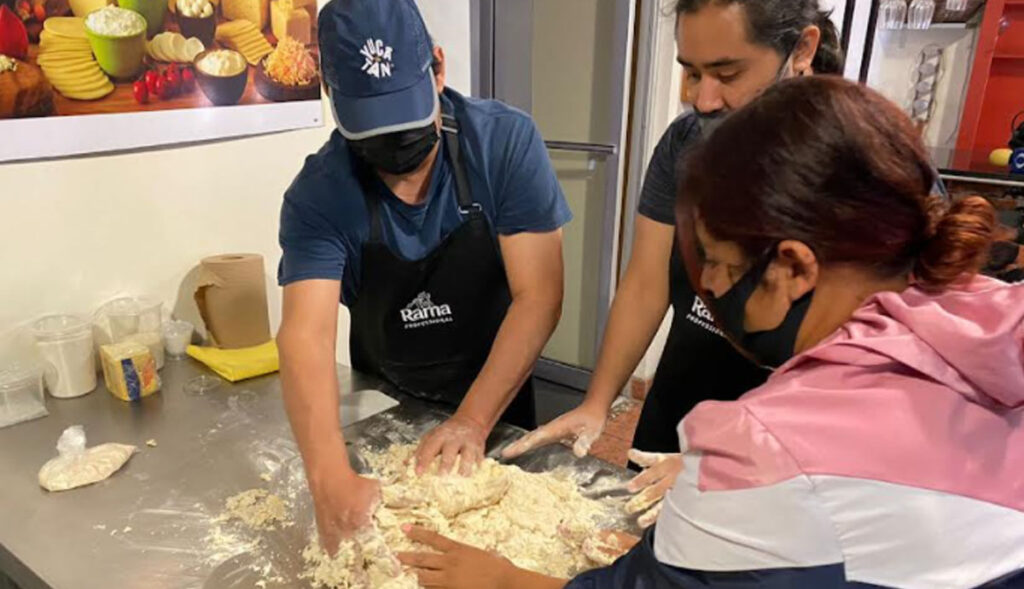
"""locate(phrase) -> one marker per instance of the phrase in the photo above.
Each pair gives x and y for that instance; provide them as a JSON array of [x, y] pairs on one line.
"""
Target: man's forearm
[[636, 314], [525, 330], [310, 387]]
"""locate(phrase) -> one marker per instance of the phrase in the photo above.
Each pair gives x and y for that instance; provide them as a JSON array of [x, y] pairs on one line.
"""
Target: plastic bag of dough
[[77, 466]]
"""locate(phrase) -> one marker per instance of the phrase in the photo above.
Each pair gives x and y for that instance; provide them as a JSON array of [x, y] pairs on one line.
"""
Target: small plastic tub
[[135, 319], [177, 337], [118, 319], [66, 345], [21, 393]]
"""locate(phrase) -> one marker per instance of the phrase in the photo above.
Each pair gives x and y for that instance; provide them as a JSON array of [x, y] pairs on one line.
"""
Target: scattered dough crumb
[[99, 527], [266, 477], [257, 508], [151, 443], [539, 521], [126, 529]]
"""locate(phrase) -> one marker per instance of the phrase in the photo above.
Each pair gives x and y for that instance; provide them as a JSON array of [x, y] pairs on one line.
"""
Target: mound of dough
[[539, 521], [256, 508], [452, 495], [92, 465], [364, 561]]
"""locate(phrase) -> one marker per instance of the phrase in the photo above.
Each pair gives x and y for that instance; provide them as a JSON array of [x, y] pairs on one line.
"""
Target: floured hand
[[650, 486], [606, 546], [581, 426], [457, 438], [344, 503]]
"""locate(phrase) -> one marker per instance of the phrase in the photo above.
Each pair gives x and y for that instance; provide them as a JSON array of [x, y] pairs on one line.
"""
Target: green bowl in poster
[[119, 57], [154, 11]]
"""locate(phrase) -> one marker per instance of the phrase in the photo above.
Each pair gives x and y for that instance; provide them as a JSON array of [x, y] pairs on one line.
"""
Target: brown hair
[[834, 165]]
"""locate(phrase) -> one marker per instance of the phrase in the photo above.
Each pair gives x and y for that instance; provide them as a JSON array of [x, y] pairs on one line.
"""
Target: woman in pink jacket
[[888, 448]]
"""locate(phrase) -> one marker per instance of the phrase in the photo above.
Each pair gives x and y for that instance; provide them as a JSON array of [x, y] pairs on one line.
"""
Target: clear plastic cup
[[177, 337], [119, 318], [66, 345], [137, 319]]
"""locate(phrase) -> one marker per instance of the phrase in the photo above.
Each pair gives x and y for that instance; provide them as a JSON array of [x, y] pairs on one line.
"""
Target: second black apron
[[698, 364], [427, 325]]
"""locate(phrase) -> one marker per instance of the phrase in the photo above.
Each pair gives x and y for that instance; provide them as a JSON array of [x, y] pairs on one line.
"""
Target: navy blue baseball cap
[[375, 58]]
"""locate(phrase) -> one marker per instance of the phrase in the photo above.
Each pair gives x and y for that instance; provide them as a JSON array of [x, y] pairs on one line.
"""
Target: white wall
[[894, 58], [449, 24], [75, 233]]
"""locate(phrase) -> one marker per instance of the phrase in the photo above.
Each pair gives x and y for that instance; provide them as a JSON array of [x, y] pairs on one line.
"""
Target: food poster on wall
[[79, 76]]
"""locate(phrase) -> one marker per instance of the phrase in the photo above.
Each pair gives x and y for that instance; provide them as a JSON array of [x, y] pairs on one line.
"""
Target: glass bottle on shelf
[[956, 6], [920, 15], [893, 13]]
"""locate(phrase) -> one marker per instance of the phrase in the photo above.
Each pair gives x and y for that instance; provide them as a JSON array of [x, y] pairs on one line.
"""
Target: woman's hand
[[651, 485], [458, 566]]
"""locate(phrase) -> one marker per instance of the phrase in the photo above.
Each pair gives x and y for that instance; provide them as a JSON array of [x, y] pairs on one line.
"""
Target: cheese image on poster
[[90, 76]]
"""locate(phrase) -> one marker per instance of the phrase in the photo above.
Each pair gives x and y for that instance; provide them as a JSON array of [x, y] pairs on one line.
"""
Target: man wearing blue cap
[[436, 219]]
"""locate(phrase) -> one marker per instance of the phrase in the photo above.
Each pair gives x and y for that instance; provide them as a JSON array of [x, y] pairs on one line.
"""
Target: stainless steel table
[[153, 524]]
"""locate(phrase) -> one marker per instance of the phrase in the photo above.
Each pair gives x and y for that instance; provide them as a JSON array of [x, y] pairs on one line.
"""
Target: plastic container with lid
[[21, 393], [136, 319], [66, 345]]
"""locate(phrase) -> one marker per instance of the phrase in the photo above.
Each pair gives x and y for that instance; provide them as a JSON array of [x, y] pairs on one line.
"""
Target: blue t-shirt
[[325, 222]]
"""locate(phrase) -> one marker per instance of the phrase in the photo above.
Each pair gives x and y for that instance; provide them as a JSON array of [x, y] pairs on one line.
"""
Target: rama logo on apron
[[427, 325]]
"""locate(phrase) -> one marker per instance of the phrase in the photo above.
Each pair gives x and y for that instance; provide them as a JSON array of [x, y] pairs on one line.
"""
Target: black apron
[[698, 364], [427, 326]]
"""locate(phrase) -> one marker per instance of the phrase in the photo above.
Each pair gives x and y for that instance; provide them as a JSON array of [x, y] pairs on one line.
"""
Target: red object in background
[[13, 36], [188, 80], [995, 93], [140, 92], [151, 77], [172, 79], [160, 88]]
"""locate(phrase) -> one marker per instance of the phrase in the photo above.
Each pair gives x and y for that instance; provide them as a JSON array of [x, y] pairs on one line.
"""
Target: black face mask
[[397, 153], [770, 348]]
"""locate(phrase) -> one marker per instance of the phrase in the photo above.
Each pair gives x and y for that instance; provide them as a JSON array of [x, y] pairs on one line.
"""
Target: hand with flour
[[459, 439], [344, 503], [650, 486], [581, 426]]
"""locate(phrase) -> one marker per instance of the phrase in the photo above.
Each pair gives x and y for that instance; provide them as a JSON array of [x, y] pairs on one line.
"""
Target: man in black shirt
[[730, 51]]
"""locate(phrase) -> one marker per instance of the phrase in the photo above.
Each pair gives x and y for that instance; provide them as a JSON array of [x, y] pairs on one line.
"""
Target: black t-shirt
[[658, 196], [698, 363]]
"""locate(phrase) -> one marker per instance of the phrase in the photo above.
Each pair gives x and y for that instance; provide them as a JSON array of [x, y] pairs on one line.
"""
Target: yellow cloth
[[240, 364]]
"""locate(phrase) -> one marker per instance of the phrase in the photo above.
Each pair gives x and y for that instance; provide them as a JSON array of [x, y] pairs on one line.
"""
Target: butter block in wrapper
[[129, 370]]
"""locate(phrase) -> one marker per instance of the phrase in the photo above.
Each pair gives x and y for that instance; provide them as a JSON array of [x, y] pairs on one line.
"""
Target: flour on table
[[257, 508], [539, 521]]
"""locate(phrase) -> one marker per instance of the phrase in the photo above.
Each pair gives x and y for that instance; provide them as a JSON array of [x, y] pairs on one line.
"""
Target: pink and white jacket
[[890, 455]]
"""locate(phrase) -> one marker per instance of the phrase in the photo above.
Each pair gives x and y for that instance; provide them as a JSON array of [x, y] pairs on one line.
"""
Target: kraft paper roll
[[232, 299]]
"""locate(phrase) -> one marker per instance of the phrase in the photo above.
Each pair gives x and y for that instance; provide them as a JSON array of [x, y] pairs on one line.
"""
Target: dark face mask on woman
[[771, 348], [397, 153]]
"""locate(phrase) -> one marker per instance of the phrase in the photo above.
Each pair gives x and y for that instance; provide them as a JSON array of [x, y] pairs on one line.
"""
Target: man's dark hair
[[779, 23]]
